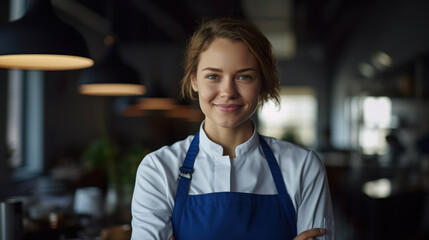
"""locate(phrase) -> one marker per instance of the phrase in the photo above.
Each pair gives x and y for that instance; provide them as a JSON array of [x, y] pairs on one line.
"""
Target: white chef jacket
[[158, 173]]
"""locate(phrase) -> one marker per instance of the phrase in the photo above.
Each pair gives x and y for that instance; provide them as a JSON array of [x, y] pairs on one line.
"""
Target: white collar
[[216, 150]]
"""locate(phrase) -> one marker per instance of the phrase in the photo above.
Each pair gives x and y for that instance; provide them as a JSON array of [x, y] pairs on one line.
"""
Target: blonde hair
[[235, 30]]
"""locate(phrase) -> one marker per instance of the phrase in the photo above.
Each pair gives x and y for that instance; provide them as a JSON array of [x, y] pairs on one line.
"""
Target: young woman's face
[[228, 82]]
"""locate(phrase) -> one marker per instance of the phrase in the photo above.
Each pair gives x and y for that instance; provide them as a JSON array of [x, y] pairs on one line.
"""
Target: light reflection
[[377, 112], [380, 188], [366, 70], [381, 60]]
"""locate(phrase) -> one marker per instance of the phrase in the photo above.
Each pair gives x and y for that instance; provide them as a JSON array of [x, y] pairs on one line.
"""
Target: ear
[[194, 83]]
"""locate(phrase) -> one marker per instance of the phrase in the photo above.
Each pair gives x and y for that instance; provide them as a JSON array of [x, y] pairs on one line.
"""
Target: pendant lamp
[[111, 77], [156, 98], [41, 41], [186, 112], [126, 106]]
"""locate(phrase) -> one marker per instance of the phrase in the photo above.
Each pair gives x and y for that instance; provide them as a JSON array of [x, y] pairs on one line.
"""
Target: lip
[[228, 108]]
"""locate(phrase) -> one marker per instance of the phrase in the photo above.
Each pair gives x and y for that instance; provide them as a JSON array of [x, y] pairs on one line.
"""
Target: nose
[[228, 88]]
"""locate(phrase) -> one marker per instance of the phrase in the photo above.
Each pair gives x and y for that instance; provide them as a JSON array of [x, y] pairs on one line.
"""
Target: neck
[[229, 138]]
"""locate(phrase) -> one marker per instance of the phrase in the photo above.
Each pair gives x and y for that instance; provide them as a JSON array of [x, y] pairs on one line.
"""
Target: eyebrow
[[219, 70]]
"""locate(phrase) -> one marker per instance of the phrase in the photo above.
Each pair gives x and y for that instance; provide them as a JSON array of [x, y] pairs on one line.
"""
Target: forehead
[[226, 53]]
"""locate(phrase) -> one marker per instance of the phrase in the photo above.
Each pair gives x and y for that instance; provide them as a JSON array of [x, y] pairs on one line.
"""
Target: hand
[[172, 238], [310, 234]]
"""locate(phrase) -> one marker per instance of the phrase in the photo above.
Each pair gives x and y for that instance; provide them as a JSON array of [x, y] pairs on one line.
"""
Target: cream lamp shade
[[41, 41]]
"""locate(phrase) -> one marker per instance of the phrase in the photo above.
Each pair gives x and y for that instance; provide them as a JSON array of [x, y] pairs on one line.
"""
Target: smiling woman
[[227, 181]]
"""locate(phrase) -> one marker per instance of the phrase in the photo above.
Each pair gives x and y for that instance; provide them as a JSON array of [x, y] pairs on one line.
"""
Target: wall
[[70, 118], [398, 28], [4, 173], [4, 180]]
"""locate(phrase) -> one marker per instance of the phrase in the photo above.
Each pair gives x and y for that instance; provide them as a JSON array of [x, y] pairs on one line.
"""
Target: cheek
[[206, 92], [252, 93]]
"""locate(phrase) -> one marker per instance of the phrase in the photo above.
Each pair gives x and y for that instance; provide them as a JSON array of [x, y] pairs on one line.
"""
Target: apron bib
[[232, 215]]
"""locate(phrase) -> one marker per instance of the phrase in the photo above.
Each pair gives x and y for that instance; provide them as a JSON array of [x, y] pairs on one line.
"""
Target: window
[[25, 123], [376, 123], [294, 120], [14, 118]]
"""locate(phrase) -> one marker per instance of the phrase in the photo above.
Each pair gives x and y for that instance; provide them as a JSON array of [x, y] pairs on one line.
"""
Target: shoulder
[[279, 146], [172, 151], [287, 152]]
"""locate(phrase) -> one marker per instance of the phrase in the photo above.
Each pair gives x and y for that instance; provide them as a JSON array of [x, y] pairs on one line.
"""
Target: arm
[[315, 208], [150, 209], [309, 234]]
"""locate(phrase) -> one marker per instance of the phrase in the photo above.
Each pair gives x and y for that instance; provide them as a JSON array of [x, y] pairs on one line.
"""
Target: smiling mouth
[[228, 107]]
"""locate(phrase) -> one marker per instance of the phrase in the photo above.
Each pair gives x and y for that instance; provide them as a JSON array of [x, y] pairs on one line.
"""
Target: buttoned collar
[[216, 150]]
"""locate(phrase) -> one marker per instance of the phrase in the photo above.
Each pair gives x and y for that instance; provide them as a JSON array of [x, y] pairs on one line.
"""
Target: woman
[[227, 181]]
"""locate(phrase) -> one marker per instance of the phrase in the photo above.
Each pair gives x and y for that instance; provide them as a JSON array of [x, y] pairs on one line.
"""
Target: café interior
[[354, 88]]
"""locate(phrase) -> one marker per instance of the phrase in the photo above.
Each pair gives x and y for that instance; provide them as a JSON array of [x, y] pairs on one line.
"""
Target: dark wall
[[4, 15], [4, 173], [71, 120]]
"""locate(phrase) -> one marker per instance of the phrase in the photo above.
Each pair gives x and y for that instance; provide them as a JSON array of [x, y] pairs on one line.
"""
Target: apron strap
[[184, 182], [284, 197]]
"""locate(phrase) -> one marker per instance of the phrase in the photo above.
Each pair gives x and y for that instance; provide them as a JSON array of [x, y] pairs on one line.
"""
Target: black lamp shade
[[41, 41], [111, 77]]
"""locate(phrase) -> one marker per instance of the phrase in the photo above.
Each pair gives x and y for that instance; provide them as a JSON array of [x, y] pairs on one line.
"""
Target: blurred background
[[355, 88]]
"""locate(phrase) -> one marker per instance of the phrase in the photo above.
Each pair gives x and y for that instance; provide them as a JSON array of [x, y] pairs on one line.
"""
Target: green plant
[[120, 169], [101, 153], [127, 168]]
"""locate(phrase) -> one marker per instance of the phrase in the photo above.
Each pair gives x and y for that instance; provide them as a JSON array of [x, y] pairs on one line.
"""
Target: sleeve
[[315, 209], [149, 207]]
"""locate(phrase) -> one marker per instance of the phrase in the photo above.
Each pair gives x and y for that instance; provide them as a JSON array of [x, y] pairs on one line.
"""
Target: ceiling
[[325, 22], [146, 20]]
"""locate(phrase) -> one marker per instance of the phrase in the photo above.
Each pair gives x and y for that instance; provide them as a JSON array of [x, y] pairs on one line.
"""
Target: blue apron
[[232, 215]]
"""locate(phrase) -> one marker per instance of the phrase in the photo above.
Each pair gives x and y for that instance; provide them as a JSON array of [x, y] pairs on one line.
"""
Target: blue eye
[[212, 76], [244, 77]]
